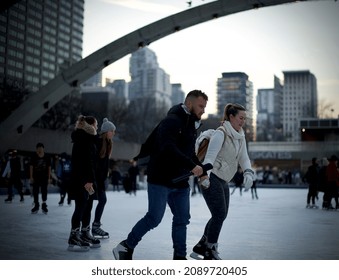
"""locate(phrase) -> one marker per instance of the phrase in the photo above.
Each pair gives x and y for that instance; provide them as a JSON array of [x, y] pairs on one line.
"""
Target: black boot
[[62, 198], [35, 209]]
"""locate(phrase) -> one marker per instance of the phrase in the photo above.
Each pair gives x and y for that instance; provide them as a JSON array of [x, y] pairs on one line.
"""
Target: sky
[[261, 43]]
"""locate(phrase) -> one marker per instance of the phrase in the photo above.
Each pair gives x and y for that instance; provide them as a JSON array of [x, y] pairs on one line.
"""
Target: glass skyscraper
[[38, 39]]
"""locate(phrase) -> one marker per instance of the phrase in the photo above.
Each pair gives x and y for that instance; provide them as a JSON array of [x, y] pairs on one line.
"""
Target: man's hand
[[197, 171]]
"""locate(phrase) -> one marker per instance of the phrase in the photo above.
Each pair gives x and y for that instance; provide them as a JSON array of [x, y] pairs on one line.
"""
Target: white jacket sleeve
[[245, 164], [214, 146]]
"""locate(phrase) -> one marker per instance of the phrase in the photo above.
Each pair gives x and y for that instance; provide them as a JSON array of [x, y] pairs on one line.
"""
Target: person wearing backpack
[[172, 155], [226, 150]]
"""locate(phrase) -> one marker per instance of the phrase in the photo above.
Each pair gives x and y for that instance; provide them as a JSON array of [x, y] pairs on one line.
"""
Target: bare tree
[[325, 109]]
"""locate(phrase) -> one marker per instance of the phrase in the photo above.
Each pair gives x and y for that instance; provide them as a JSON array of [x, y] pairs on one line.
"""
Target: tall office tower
[[120, 87], [269, 108], [98, 101], [178, 95], [235, 87], [38, 39], [300, 100], [94, 81], [148, 80]]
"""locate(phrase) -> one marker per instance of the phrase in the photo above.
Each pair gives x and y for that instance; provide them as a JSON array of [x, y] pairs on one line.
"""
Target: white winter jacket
[[226, 153]]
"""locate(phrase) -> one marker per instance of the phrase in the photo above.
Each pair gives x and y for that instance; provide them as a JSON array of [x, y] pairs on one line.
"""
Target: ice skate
[[61, 202], [199, 249], [44, 208], [122, 251], [35, 209], [212, 252], [87, 237], [97, 232], [75, 243], [8, 200]]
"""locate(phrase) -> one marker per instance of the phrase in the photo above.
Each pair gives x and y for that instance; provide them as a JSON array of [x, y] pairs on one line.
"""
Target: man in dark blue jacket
[[172, 156]]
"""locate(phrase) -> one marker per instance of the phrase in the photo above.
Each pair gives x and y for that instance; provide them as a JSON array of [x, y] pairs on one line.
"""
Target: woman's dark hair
[[232, 109]]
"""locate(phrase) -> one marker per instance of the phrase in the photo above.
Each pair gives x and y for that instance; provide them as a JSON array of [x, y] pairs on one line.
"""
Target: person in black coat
[[312, 178], [84, 155], [172, 155]]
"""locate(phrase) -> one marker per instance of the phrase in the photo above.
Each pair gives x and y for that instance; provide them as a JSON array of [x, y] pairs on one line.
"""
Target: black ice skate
[[122, 251], [97, 232], [75, 243], [199, 249], [87, 237], [35, 209], [44, 208]]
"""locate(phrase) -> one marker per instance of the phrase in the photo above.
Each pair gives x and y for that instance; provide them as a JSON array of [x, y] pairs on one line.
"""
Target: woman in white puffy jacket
[[226, 151]]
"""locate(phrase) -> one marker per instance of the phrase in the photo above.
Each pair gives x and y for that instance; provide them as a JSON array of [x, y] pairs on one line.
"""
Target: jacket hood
[[83, 130]]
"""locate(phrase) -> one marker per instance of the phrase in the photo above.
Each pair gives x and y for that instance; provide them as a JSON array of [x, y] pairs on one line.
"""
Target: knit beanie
[[107, 126]]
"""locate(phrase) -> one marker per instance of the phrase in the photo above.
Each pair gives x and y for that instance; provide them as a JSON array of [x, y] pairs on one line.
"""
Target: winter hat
[[107, 126]]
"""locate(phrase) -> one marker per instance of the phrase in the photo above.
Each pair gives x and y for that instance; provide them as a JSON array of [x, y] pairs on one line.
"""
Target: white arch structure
[[34, 107]]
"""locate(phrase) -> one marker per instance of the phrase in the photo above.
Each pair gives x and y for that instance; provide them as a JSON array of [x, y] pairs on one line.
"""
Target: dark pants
[[36, 188], [312, 193], [102, 199], [217, 198], [16, 182], [64, 187], [82, 212], [331, 191]]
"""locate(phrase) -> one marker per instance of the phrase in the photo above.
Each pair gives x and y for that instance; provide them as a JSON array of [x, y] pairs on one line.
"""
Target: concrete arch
[[31, 110]]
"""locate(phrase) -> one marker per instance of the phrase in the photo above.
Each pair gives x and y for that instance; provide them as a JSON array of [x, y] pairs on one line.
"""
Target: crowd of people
[[323, 177], [84, 175]]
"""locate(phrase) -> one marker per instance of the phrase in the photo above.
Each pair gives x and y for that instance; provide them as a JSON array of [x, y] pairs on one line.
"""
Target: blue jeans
[[179, 203]]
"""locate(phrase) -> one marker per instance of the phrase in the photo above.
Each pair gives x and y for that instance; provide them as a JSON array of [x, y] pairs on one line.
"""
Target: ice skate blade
[[101, 237], [75, 248], [196, 256]]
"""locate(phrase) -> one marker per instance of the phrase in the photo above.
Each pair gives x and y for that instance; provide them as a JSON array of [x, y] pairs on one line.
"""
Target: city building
[[269, 108], [178, 95], [97, 101], [38, 39], [148, 80], [235, 87], [120, 87], [299, 101], [95, 81]]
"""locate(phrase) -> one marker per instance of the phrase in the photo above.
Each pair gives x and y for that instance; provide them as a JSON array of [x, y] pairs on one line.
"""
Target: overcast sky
[[262, 43]]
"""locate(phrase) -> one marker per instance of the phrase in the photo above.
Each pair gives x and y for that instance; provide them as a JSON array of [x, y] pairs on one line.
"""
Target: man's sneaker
[[122, 251], [35, 209], [212, 253], [8, 200], [44, 208], [87, 237], [199, 249], [97, 232], [308, 206], [315, 206], [75, 242]]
